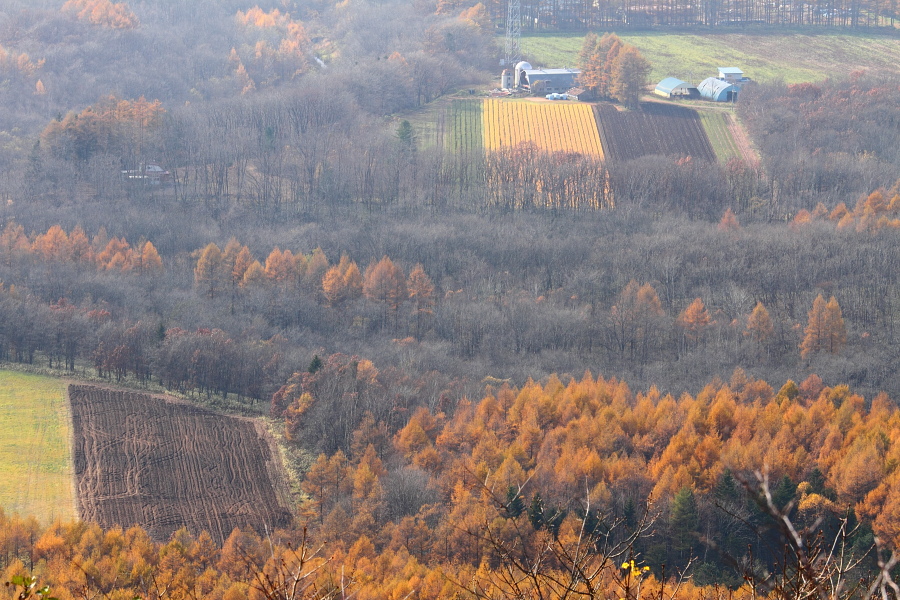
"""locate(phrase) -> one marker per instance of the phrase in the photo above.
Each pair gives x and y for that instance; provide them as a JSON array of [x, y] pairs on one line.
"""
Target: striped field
[[552, 127]]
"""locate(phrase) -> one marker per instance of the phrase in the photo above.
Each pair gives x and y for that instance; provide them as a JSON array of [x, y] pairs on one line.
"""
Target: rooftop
[[552, 71], [669, 83]]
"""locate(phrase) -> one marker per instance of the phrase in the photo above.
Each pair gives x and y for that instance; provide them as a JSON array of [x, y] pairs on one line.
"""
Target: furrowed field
[[791, 56], [655, 129], [35, 463], [164, 465], [552, 127]]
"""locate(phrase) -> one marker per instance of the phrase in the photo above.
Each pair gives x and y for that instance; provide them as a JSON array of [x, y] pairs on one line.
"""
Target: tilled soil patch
[[142, 460]]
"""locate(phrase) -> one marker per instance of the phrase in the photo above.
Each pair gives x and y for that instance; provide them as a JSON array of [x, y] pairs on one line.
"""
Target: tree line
[[584, 15]]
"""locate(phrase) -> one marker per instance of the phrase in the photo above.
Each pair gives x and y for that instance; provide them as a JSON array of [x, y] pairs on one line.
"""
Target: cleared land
[[550, 126], [164, 465], [654, 129], [35, 464], [792, 56]]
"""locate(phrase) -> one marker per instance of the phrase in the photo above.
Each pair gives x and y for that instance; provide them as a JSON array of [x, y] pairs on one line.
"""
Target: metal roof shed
[[551, 80], [730, 74], [670, 87], [717, 90]]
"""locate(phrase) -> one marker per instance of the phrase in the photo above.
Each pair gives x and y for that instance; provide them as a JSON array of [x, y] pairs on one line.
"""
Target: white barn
[[672, 87]]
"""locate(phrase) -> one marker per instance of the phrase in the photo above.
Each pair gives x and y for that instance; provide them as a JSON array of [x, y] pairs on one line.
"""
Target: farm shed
[[541, 81], [731, 74], [672, 87], [580, 94], [717, 90]]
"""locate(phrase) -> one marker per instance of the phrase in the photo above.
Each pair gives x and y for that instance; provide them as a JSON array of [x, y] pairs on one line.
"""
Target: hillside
[[501, 340], [765, 55]]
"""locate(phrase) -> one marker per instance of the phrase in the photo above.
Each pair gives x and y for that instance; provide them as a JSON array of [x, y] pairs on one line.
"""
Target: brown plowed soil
[[142, 460], [654, 128]]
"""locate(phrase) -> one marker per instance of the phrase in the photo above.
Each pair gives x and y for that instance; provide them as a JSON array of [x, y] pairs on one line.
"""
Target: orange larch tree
[[384, 282], [151, 262], [209, 273], [694, 321], [421, 294], [759, 326], [825, 330]]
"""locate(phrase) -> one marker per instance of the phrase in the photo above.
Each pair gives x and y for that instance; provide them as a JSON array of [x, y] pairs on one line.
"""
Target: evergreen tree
[[515, 503], [684, 522]]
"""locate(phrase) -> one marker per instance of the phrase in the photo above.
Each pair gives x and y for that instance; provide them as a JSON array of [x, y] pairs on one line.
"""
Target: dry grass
[[35, 458]]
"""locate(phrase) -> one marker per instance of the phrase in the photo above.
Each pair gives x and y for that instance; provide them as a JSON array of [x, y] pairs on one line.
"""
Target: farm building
[[671, 87], [580, 94], [544, 81], [717, 90], [732, 75]]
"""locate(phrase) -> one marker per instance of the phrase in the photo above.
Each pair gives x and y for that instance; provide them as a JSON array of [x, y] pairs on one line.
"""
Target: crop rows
[[465, 132], [552, 127], [654, 129], [162, 465]]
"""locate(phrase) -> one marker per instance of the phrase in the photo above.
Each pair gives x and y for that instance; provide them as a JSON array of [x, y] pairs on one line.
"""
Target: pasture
[[35, 463], [764, 55]]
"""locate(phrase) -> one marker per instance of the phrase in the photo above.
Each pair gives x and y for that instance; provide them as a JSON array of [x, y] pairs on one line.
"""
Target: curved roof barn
[[672, 86], [717, 90]]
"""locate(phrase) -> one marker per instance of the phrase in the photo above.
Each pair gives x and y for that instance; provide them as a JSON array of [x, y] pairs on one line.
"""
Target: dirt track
[[163, 465]]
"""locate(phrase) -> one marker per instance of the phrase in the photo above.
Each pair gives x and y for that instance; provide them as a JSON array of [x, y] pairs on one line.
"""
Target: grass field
[[782, 54], [35, 464], [716, 125]]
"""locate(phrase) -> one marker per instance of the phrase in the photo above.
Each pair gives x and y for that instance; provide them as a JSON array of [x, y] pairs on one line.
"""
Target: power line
[[513, 33]]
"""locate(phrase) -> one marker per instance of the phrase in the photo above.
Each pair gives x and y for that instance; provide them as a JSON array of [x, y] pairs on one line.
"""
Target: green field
[[466, 133], [716, 125], [788, 55], [35, 462]]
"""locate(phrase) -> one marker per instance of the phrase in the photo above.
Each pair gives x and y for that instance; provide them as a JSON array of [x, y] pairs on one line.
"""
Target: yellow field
[[551, 126], [35, 464]]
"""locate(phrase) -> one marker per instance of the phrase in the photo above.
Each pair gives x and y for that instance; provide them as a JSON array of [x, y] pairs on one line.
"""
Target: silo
[[521, 79]]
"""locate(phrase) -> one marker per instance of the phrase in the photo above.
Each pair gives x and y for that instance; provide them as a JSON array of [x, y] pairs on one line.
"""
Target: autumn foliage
[[426, 485], [103, 13], [75, 247], [112, 125], [438, 500], [265, 62]]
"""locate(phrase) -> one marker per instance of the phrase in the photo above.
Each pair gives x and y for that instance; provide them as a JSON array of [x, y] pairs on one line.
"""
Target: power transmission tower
[[513, 32]]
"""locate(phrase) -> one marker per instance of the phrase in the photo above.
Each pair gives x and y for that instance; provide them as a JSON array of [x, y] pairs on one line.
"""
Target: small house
[[148, 174]]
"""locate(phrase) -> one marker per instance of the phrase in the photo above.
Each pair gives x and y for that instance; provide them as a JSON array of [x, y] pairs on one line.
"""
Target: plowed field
[[163, 465], [551, 126], [655, 128]]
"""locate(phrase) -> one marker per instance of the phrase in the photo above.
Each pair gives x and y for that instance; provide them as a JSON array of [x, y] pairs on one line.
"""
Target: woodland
[[684, 390]]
